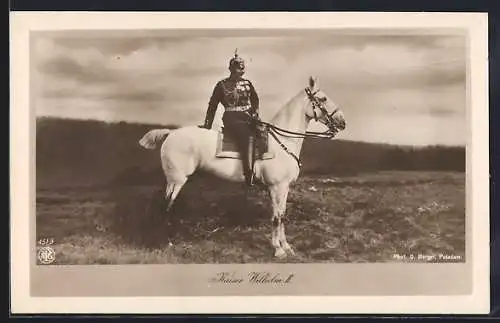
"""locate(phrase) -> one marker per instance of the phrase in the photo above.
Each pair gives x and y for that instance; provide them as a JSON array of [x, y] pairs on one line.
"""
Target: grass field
[[370, 217]]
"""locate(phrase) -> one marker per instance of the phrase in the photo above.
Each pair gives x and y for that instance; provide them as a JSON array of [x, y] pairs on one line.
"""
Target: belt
[[238, 108]]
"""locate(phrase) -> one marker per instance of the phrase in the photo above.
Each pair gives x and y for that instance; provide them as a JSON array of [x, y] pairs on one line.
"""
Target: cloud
[[401, 129], [118, 44], [403, 101], [68, 68], [387, 65], [137, 96], [154, 77]]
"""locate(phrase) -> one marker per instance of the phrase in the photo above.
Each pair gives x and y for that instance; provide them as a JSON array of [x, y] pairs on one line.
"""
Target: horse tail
[[151, 139]]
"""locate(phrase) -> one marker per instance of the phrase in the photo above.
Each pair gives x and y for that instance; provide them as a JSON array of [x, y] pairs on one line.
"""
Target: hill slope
[[84, 152]]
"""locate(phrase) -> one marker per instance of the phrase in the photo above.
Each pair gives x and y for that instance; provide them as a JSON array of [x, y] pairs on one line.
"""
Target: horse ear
[[313, 82]]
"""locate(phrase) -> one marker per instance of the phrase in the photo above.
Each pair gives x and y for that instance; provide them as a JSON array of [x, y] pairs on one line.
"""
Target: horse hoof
[[280, 253], [289, 249]]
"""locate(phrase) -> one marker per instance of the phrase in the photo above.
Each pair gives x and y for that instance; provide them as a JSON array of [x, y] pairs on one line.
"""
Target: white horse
[[191, 148]]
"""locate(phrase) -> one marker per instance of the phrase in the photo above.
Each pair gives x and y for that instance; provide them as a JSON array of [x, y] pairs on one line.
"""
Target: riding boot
[[249, 167]]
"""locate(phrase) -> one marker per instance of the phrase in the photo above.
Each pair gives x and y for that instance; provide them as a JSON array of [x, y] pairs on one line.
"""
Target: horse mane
[[285, 108]]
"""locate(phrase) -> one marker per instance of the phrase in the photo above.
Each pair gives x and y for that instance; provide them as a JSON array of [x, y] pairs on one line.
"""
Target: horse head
[[322, 109]]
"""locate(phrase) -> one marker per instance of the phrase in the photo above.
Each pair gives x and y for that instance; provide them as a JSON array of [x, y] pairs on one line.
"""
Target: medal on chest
[[234, 92]]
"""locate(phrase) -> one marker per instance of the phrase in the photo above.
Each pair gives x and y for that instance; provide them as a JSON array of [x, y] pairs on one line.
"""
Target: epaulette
[[245, 81]]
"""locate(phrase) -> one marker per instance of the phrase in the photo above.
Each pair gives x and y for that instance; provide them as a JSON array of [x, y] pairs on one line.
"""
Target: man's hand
[[252, 114]]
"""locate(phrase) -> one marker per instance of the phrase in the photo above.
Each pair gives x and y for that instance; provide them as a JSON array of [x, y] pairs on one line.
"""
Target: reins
[[328, 134], [297, 159]]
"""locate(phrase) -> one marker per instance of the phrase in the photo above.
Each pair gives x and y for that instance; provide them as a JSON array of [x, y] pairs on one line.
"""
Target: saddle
[[227, 148]]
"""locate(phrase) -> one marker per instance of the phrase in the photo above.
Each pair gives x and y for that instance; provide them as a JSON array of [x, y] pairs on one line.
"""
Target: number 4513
[[46, 241]]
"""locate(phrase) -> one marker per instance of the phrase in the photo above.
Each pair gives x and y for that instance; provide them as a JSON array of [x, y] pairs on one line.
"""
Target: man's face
[[238, 69], [238, 72]]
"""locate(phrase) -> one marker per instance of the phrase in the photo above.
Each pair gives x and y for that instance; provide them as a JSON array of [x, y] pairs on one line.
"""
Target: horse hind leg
[[177, 168], [172, 191]]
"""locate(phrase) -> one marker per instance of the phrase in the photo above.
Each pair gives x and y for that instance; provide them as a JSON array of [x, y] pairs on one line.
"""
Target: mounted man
[[241, 110]]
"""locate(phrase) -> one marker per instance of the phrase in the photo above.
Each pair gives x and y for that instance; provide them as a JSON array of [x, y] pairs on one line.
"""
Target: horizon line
[[175, 126]]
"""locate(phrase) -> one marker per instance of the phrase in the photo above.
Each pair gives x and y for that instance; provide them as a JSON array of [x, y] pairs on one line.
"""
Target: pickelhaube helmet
[[237, 62]]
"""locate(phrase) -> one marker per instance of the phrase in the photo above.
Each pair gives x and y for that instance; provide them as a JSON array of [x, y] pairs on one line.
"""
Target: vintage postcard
[[249, 163]]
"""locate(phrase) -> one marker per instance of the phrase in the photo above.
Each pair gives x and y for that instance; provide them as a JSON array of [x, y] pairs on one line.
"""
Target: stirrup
[[249, 181]]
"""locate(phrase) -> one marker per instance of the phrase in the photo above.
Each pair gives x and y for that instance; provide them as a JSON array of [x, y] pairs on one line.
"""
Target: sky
[[396, 88]]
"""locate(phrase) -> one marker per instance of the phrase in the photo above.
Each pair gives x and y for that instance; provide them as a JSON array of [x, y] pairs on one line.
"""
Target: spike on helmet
[[237, 62]]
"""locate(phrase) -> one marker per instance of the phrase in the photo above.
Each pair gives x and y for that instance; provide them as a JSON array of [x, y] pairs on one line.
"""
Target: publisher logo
[[46, 255]]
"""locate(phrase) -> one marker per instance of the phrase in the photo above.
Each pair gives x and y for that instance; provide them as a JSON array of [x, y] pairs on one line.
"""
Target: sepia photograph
[[251, 161], [120, 157]]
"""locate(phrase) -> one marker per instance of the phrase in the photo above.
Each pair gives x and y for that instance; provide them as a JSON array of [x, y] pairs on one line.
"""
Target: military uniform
[[239, 98], [241, 107]]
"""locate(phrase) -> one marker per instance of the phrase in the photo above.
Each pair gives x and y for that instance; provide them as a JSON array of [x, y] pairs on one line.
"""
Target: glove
[[253, 115]]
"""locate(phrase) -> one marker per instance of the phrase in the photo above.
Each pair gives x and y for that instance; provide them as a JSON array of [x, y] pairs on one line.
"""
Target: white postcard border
[[21, 192]]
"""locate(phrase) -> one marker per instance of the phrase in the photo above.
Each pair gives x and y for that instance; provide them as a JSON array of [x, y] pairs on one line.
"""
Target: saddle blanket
[[226, 147]]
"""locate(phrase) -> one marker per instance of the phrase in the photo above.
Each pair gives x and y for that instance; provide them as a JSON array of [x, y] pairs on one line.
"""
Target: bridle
[[330, 133], [317, 104]]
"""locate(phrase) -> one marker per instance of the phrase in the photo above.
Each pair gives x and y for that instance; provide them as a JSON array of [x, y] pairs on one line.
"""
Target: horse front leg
[[279, 195], [284, 244]]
